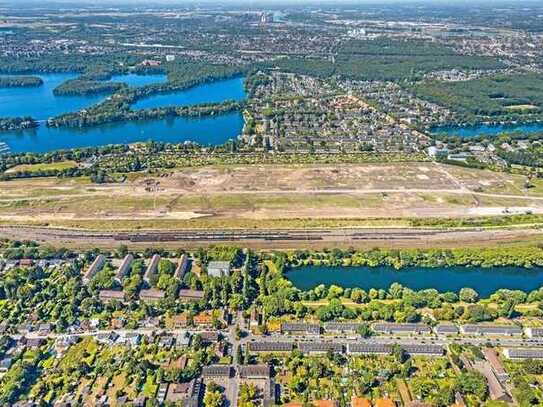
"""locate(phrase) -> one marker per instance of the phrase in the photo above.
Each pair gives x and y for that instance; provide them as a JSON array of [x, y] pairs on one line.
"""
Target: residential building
[[218, 268], [360, 402], [186, 295], [217, 371], [384, 403], [262, 371], [111, 295], [180, 321], [151, 268], [534, 332], [523, 353], [491, 357], [94, 268], [391, 328], [446, 329], [342, 327], [495, 388], [491, 330], [312, 348], [269, 346], [182, 267], [152, 294], [300, 328], [123, 269]]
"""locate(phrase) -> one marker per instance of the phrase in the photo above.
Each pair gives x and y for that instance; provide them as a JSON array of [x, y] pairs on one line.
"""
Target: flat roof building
[[218, 268]]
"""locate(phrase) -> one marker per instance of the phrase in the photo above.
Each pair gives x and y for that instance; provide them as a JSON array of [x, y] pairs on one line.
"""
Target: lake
[[207, 130], [484, 280], [212, 92], [136, 80], [486, 129], [41, 104], [211, 130]]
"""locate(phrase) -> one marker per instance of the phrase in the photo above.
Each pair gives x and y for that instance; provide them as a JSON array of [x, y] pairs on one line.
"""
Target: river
[[484, 280]]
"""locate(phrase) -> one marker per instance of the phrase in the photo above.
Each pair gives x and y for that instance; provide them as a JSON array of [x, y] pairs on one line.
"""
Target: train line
[[278, 238]]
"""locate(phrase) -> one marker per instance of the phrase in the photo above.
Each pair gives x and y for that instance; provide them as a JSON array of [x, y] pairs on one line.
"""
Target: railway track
[[294, 238]]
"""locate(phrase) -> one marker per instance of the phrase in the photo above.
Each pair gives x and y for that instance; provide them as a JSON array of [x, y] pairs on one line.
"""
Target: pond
[[486, 129], [484, 280], [207, 130], [212, 92]]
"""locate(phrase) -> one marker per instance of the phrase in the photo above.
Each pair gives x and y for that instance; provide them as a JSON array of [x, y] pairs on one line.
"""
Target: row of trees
[[20, 81]]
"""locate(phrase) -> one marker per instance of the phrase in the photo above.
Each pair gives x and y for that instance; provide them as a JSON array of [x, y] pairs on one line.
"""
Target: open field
[[233, 196], [57, 166], [332, 199]]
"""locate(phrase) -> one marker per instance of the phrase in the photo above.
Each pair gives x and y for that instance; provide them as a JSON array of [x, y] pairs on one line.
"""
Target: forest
[[20, 81], [385, 59], [17, 123], [81, 87], [500, 97]]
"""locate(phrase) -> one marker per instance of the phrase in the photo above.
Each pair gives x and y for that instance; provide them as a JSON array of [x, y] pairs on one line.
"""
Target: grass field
[[57, 166]]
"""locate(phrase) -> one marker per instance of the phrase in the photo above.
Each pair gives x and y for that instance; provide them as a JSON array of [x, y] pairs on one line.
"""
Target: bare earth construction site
[[319, 204]]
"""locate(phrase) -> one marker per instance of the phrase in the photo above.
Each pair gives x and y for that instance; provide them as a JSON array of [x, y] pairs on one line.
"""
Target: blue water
[[39, 102], [487, 129], [208, 130], [213, 92], [483, 280], [135, 80]]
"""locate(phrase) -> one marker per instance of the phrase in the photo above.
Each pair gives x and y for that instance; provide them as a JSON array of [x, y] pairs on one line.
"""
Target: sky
[[180, 2]]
